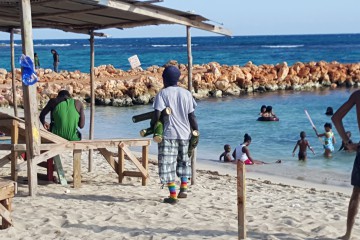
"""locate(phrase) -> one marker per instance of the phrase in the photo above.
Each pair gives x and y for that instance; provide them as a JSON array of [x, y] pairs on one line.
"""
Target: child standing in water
[[303, 144], [226, 155], [329, 139]]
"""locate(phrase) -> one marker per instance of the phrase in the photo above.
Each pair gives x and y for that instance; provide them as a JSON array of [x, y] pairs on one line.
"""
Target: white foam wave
[[88, 45], [8, 45], [282, 46], [167, 45], [51, 45]]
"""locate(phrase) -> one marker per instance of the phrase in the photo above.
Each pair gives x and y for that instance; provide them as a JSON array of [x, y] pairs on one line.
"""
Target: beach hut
[[86, 17]]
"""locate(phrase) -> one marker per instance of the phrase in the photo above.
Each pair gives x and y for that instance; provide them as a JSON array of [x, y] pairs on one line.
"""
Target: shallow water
[[226, 120]]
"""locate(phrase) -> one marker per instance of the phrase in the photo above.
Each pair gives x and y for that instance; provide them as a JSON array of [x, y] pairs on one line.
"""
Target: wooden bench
[[7, 192]]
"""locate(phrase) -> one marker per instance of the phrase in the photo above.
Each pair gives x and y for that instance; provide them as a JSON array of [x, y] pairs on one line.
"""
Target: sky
[[244, 18]]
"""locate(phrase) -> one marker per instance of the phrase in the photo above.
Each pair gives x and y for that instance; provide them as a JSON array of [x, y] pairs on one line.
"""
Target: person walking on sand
[[173, 149], [56, 60], [67, 114], [354, 100], [303, 144]]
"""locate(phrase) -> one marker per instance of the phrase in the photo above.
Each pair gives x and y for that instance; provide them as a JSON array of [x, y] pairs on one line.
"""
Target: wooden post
[[30, 103], [121, 162], [190, 59], [13, 72], [77, 168], [241, 199], [188, 37], [145, 160], [7, 205], [92, 98], [14, 154]]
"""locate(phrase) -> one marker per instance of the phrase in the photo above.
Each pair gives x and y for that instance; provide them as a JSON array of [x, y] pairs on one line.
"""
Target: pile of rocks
[[116, 87]]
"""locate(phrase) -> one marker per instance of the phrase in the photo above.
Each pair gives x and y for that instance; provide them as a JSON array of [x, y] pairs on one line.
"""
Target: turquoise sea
[[226, 120]]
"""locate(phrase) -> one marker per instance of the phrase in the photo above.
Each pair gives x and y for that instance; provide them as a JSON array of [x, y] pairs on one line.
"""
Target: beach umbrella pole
[[190, 59], [12, 50], [92, 98]]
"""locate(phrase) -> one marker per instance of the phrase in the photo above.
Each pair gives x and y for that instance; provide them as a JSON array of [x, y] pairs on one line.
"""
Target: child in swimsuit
[[329, 139], [226, 155], [303, 144]]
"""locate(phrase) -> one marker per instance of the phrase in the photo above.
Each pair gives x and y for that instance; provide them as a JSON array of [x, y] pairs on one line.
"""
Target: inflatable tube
[[268, 119]]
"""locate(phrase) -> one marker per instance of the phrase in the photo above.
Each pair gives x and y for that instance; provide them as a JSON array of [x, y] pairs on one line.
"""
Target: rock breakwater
[[115, 87]]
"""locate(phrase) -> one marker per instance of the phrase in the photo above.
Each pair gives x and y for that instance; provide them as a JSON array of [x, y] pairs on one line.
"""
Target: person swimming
[[329, 111]]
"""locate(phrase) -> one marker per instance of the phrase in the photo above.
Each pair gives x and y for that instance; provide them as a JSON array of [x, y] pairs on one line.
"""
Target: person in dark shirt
[[67, 114], [56, 60]]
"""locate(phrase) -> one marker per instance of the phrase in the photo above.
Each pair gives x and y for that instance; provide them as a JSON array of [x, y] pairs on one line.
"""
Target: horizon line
[[254, 35]]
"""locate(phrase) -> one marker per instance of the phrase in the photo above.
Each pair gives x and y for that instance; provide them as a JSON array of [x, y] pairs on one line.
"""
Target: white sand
[[104, 209]]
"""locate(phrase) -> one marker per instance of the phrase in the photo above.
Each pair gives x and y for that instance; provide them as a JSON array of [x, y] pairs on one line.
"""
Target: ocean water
[[226, 120], [74, 53]]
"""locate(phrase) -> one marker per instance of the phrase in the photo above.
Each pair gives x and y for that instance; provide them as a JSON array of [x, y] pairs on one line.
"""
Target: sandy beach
[[104, 209]]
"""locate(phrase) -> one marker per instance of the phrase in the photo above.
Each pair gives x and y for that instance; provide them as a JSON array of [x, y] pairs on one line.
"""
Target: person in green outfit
[[67, 114], [36, 61]]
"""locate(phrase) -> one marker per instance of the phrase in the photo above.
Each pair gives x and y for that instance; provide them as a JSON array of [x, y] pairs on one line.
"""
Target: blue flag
[[28, 72]]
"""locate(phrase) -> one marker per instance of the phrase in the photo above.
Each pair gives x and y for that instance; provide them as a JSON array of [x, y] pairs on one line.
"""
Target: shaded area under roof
[[82, 16]]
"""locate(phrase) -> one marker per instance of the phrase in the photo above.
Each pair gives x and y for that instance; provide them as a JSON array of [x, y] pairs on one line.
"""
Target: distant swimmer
[[262, 110], [329, 139], [269, 112], [353, 101], [242, 153], [226, 155], [329, 111], [303, 144]]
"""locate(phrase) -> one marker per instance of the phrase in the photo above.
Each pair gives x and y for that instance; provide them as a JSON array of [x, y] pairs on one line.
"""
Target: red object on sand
[[49, 165]]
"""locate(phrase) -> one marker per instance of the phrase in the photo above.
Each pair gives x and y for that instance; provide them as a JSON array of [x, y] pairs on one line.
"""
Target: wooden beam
[[30, 101], [145, 161], [77, 168], [44, 156], [109, 158], [12, 56], [14, 154], [241, 199], [132, 174], [68, 12], [134, 160], [121, 166], [128, 24], [190, 60], [92, 98], [5, 213], [4, 160], [162, 15]]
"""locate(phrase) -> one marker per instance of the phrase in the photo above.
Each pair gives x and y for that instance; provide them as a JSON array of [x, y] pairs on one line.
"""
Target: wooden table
[[7, 192]]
